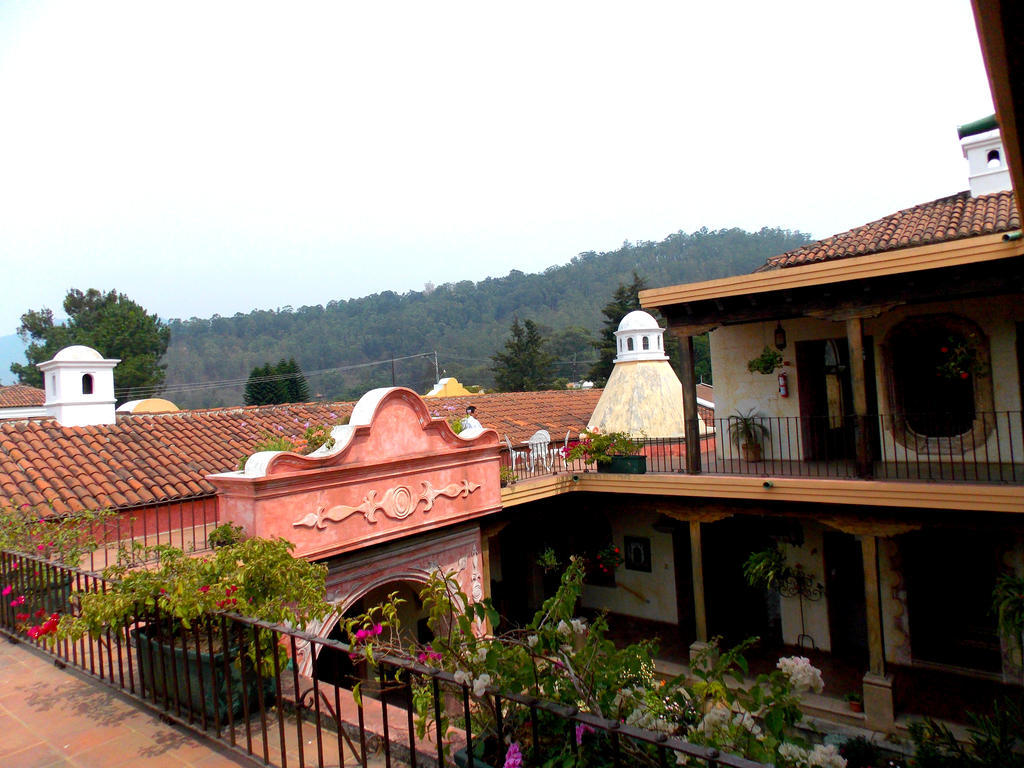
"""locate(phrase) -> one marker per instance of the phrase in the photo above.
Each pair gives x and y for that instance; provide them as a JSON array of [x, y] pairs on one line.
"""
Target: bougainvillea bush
[[562, 658]]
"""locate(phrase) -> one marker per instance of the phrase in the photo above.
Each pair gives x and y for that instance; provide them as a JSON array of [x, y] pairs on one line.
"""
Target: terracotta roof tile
[[149, 458], [942, 220], [21, 396]]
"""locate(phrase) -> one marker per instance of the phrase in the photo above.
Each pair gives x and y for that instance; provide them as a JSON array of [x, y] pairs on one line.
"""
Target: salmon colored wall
[[400, 473]]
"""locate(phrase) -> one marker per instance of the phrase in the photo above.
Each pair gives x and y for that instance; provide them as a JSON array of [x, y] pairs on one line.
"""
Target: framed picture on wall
[[638, 553]]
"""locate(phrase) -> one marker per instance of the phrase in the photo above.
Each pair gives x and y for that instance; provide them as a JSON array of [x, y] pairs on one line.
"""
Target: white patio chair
[[516, 456], [540, 450]]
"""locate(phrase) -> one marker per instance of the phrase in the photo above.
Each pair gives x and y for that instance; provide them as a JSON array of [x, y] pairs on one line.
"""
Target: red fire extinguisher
[[783, 385]]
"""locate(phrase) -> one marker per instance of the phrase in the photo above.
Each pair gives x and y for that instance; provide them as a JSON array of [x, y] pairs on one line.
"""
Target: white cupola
[[79, 386], [639, 337], [643, 396], [987, 170]]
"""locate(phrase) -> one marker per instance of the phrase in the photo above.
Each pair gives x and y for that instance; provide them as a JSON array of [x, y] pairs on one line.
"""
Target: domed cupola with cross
[[643, 396], [79, 386]]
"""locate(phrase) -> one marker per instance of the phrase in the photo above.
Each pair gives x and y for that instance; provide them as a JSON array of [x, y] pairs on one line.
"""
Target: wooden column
[[691, 418], [873, 603], [700, 616], [855, 340]]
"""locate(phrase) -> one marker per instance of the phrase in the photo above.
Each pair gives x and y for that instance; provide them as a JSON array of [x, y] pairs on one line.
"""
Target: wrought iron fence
[[219, 678], [986, 447]]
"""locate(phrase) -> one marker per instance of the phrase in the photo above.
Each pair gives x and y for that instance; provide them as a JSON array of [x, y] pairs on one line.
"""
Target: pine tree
[[525, 365], [296, 387], [625, 299]]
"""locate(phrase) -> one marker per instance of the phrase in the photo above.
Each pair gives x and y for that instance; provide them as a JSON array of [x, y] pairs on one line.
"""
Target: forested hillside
[[465, 322]]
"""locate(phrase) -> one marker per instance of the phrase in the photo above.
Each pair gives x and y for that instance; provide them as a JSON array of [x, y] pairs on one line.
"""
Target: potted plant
[[225, 535], [257, 577], [1008, 605], [507, 476], [747, 430], [766, 362], [855, 700], [612, 451], [54, 543]]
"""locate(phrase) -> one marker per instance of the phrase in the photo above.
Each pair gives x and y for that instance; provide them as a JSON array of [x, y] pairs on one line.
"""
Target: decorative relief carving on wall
[[397, 503]]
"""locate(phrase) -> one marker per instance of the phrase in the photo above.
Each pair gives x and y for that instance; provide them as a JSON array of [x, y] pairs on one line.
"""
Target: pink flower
[[378, 628], [204, 589], [582, 729], [7, 590], [22, 616], [514, 756], [19, 600]]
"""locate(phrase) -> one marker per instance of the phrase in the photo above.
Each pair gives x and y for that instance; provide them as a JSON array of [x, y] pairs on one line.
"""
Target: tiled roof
[[942, 220], [154, 458], [21, 396]]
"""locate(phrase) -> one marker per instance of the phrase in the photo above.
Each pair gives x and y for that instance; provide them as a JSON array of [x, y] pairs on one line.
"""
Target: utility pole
[[437, 376], [393, 369]]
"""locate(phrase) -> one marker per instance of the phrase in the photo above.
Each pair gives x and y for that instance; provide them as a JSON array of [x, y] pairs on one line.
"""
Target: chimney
[[987, 170], [79, 386]]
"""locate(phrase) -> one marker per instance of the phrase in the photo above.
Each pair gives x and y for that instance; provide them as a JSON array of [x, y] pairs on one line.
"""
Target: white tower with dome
[[643, 396], [79, 386]]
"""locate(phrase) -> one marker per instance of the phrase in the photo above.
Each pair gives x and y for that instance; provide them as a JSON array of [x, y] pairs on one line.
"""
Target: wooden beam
[[855, 341], [691, 417], [873, 603], [700, 614]]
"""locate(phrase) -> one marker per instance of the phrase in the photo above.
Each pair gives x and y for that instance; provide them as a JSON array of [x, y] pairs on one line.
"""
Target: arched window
[[993, 160], [86, 383], [939, 375], [646, 343], [629, 343]]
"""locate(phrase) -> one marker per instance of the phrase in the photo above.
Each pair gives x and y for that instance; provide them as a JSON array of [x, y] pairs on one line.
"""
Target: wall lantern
[[780, 337]]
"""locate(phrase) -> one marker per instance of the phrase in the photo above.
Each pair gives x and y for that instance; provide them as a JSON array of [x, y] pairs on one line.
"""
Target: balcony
[[978, 448]]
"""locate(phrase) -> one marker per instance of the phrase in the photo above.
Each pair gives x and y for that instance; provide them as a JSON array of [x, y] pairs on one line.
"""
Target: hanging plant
[[766, 362], [960, 359]]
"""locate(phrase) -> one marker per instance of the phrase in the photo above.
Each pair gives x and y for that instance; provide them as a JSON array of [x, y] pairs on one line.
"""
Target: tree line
[[346, 347]]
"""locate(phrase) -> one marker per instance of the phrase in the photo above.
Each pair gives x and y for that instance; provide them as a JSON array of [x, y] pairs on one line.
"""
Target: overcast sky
[[219, 157]]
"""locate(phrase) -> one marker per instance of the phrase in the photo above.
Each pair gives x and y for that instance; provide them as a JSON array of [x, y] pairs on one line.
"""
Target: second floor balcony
[[974, 448]]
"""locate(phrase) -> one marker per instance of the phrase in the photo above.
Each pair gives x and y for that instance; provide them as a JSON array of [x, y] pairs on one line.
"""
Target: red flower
[[964, 374], [204, 589], [943, 350]]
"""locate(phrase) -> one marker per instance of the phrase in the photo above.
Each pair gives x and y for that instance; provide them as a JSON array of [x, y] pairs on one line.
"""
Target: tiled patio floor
[[55, 717]]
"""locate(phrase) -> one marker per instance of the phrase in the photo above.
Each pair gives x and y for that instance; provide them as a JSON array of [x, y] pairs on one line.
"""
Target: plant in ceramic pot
[[168, 593], [606, 449], [766, 362], [36, 583], [855, 700], [748, 431]]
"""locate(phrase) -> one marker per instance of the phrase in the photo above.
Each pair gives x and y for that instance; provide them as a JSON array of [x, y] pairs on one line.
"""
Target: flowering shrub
[[562, 658], [959, 358], [594, 445]]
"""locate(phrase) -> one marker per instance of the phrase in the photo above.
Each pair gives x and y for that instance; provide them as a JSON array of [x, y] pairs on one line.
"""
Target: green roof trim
[[978, 126]]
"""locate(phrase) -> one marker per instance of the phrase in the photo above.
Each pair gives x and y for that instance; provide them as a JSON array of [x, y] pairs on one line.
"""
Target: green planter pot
[[625, 465], [201, 682]]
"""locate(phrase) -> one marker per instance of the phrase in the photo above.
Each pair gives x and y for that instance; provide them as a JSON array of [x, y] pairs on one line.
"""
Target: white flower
[[826, 756], [462, 677], [563, 628], [714, 721], [480, 684], [532, 641], [481, 653], [579, 626], [747, 722], [800, 672], [792, 753]]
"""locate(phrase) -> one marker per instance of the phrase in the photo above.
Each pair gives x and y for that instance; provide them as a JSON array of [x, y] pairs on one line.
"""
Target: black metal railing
[[205, 678], [986, 447]]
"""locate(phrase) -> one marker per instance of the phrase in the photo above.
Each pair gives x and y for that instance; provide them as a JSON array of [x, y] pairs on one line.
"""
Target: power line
[[142, 392]]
